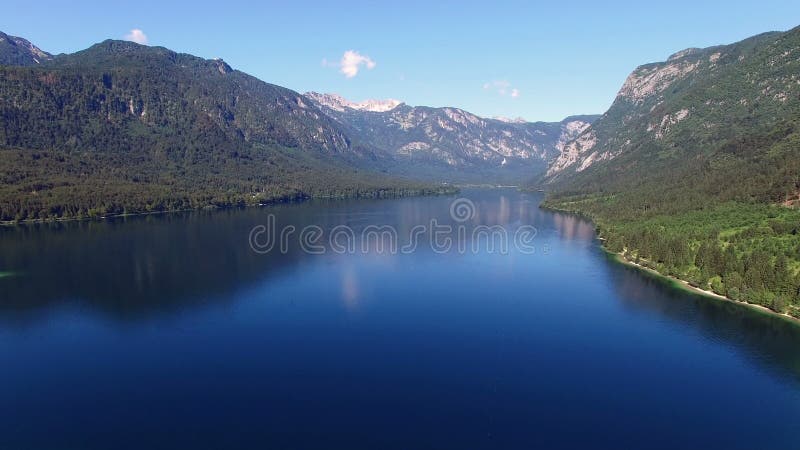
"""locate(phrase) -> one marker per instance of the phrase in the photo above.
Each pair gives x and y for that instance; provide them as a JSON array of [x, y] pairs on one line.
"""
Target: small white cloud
[[502, 88], [352, 61], [136, 35]]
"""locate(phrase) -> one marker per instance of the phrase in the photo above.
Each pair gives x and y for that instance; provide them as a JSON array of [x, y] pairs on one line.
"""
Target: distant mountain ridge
[[509, 119], [339, 103], [451, 143]]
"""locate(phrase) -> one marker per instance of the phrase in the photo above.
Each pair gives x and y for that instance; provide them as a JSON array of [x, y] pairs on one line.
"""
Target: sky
[[539, 61]]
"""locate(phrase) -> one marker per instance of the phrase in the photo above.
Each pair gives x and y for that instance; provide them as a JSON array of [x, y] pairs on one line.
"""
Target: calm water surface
[[171, 332]]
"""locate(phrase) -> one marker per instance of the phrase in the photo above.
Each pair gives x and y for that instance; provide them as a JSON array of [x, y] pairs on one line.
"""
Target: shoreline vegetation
[[624, 257], [696, 177], [386, 193], [686, 286]]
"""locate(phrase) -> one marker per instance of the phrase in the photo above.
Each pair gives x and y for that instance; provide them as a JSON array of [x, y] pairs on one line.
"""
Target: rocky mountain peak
[[509, 119], [16, 51], [339, 103], [222, 66]]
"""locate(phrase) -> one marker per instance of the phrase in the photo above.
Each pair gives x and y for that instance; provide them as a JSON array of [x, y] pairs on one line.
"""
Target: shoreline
[[676, 282], [282, 201], [685, 286]]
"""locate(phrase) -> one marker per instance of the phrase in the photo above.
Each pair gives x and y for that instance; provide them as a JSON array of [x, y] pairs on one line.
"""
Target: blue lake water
[[171, 331]]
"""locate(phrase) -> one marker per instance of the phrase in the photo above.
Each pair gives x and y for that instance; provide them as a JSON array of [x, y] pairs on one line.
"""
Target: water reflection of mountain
[[772, 341], [129, 267], [132, 267]]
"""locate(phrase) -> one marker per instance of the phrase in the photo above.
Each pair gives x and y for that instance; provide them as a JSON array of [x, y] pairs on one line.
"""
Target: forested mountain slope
[[694, 167], [717, 115], [122, 127], [16, 51]]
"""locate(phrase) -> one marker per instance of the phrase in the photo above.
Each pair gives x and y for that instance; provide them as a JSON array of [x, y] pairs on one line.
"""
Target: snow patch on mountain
[[338, 103], [509, 119]]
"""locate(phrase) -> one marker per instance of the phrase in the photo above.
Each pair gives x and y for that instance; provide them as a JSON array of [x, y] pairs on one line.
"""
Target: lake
[[473, 321]]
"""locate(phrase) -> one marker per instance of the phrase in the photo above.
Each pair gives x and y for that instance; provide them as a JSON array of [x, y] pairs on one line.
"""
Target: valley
[[375, 225]]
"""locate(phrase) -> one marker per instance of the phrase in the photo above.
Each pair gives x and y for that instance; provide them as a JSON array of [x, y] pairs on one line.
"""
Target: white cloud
[[136, 35], [352, 61], [502, 88]]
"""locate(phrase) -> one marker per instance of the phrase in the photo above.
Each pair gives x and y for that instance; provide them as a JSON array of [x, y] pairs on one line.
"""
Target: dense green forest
[[745, 251], [42, 185], [124, 128], [704, 180]]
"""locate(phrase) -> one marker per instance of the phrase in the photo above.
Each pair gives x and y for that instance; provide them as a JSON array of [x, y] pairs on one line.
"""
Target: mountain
[[118, 83], [509, 119], [122, 127], [450, 143], [712, 110], [339, 103], [694, 171], [16, 51]]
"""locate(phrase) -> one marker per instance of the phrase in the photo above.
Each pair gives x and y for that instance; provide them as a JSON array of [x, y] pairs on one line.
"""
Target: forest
[[746, 252]]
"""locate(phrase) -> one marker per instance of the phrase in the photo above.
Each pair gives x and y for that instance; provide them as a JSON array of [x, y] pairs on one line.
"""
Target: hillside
[[450, 143], [16, 51], [122, 127], [718, 115], [693, 167]]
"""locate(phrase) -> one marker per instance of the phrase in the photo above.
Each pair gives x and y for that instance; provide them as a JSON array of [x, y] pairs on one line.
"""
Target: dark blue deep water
[[171, 332]]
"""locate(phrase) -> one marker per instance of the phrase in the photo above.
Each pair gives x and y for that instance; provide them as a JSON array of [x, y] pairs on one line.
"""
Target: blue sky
[[540, 61]]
